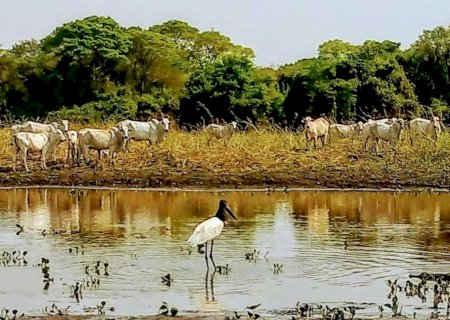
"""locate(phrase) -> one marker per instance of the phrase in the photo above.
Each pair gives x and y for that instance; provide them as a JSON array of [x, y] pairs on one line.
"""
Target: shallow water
[[142, 237]]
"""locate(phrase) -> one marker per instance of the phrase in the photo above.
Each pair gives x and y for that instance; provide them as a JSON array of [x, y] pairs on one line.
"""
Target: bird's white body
[[206, 231]]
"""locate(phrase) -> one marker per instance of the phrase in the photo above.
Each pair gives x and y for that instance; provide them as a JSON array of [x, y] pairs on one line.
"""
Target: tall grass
[[265, 156]]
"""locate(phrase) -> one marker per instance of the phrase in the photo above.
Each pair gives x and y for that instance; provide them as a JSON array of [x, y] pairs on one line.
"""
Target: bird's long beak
[[227, 208]]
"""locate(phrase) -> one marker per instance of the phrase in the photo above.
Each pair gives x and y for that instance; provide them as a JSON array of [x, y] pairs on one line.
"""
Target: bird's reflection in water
[[209, 286]]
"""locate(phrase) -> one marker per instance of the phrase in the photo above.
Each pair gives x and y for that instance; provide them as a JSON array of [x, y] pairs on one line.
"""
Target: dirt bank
[[154, 178]]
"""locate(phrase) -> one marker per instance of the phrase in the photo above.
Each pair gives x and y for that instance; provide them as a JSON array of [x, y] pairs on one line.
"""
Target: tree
[[229, 88], [149, 52], [89, 51], [428, 64]]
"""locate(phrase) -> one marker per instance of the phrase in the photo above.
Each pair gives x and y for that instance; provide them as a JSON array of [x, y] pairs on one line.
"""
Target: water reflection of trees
[[357, 215], [328, 213]]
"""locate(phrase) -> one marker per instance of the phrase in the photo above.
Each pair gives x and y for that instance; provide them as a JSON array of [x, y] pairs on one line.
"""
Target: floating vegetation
[[252, 315], [13, 258], [251, 311], [437, 283], [394, 306], [6, 315], [277, 268], [92, 282], [167, 280], [236, 316], [55, 310], [332, 313], [223, 269], [20, 229], [98, 268], [76, 291], [164, 310], [45, 268], [77, 250], [252, 256], [100, 309]]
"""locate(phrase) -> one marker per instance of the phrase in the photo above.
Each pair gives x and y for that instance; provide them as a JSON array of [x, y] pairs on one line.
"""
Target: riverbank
[[255, 159]]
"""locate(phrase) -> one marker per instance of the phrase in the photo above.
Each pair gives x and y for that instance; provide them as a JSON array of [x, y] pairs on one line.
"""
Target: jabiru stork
[[210, 229]]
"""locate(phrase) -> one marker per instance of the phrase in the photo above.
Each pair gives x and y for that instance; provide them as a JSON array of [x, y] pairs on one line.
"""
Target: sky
[[279, 31]]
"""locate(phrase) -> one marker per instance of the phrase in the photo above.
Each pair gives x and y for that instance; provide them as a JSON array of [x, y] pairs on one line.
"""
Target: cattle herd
[[44, 138], [372, 132]]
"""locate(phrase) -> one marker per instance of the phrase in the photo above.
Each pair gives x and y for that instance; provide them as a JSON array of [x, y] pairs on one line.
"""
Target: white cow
[[347, 131], [151, 131], [218, 131], [316, 129], [44, 142], [425, 127], [165, 121], [111, 139], [388, 132], [366, 135], [73, 146], [37, 127]]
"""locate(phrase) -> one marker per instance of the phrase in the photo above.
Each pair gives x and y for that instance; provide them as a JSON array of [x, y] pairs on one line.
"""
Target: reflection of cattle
[[101, 139], [43, 142], [316, 129], [384, 131], [425, 127]]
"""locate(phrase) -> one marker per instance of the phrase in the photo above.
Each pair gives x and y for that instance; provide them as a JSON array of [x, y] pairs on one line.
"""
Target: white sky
[[279, 31]]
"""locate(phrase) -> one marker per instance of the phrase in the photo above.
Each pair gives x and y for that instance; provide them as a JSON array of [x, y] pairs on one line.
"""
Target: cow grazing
[[111, 139], [221, 131], [43, 142], [385, 131], [151, 131], [73, 148], [424, 127], [316, 129]]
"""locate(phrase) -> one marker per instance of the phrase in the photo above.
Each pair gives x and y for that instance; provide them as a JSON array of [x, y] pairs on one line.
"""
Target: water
[[142, 237]]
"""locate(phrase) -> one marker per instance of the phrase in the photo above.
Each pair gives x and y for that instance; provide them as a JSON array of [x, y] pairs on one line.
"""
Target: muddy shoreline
[[204, 180]]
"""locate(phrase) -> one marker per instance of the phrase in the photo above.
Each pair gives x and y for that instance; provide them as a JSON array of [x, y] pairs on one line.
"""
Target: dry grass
[[263, 157]]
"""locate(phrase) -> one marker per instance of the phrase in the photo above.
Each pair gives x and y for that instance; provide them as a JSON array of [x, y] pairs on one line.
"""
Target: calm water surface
[[142, 236]]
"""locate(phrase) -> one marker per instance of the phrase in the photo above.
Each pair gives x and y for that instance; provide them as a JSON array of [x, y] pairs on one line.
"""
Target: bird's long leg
[[206, 256], [211, 255]]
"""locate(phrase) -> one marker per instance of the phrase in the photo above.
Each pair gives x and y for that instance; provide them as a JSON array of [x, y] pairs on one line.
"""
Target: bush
[[114, 109]]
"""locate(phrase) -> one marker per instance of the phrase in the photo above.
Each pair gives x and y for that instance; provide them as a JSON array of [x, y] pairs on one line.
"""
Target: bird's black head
[[223, 207]]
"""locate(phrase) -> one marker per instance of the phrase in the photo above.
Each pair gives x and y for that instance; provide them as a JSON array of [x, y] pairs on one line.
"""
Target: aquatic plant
[[167, 280], [165, 310], [55, 310], [15, 314]]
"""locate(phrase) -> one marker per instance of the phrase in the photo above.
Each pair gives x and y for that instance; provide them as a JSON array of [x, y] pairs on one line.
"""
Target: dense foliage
[[96, 70]]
